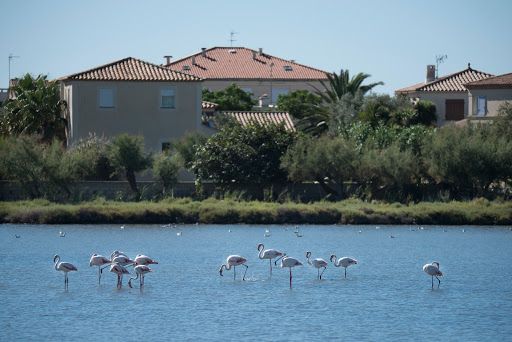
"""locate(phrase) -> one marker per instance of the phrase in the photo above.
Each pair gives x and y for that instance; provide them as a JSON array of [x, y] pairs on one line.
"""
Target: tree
[[188, 146], [248, 154], [36, 108], [165, 169], [126, 153], [230, 98], [343, 84], [299, 103]]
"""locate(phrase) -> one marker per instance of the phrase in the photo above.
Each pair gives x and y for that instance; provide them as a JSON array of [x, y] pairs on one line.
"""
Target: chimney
[[292, 60], [168, 59], [193, 60], [431, 73], [261, 51], [203, 52], [254, 55]]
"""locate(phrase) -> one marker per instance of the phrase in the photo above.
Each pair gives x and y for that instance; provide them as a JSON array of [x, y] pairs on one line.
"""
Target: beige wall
[[137, 111], [439, 99], [494, 98], [260, 87]]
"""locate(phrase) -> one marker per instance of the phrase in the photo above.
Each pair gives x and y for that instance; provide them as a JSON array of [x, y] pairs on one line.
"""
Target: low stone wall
[[121, 190]]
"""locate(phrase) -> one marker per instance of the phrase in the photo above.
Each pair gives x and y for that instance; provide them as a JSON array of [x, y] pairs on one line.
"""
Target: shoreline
[[213, 211]]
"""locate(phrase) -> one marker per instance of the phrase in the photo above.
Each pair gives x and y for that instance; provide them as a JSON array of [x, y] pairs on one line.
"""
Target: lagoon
[[386, 296]]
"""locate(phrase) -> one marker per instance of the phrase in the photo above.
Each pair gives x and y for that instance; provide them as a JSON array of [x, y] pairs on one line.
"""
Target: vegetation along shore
[[230, 211]]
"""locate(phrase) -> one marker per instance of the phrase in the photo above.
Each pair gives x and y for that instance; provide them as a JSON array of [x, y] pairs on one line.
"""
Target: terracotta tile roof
[[243, 63], [131, 69], [452, 82], [496, 82], [209, 105], [263, 117]]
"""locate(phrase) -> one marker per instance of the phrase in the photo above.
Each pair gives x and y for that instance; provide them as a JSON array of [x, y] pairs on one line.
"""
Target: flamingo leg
[[318, 273], [437, 280], [432, 282], [290, 277], [270, 267], [345, 273], [99, 275], [234, 272], [246, 267], [322, 272]]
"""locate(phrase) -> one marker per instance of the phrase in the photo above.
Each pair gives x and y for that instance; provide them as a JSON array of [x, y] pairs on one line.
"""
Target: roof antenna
[[11, 56], [439, 59], [232, 40]]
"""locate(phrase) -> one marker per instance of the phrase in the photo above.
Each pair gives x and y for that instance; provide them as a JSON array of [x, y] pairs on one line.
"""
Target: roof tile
[[497, 82]]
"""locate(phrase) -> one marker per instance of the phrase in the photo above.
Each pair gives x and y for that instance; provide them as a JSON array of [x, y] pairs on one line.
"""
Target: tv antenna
[[11, 56], [232, 35], [439, 59]]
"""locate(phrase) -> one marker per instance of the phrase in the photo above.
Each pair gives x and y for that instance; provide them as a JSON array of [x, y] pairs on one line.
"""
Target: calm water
[[386, 296]]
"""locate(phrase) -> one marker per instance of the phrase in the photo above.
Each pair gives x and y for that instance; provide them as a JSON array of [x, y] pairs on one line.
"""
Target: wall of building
[[494, 98], [137, 111], [439, 99]]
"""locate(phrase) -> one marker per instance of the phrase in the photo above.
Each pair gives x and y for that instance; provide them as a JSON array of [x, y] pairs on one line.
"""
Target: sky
[[394, 41]]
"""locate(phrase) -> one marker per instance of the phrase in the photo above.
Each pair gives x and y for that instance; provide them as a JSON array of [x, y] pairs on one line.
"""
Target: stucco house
[[259, 73], [135, 97], [487, 95], [449, 92]]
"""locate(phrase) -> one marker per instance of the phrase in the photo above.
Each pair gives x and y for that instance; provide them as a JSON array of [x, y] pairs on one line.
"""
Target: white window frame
[[161, 95], [481, 105], [103, 90]]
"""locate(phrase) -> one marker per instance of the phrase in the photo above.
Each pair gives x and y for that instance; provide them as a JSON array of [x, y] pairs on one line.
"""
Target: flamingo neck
[[309, 262], [137, 277], [57, 262], [335, 260], [261, 251], [227, 267]]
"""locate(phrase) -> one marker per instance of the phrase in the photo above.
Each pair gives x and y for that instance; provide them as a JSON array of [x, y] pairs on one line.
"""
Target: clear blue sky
[[393, 41]]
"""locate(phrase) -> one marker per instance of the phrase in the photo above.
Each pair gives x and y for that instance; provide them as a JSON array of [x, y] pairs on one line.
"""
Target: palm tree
[[343, 84]]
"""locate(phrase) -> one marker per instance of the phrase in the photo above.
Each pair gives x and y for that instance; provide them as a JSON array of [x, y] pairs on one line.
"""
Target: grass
[[213, 211]]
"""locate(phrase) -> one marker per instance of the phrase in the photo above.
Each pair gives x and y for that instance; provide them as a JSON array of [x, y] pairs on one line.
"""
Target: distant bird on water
[[268, 254], [433, 270], [98, 260], [62, 234], [64, 267], [17, 236], [290, 262], [317, 263], [233, 261], [343, 262]]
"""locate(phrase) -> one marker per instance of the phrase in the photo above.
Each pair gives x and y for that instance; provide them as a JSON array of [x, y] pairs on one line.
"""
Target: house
[[135, 97], [486, 96], [449, 92], [256, 72]]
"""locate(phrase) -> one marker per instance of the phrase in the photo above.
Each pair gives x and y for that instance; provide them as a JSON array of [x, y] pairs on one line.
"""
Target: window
[[186, 67], [454, 109], [287, 68], [279, 91], [106, 98], [247, 90], [166, 146], [167, 98], [481, 105]]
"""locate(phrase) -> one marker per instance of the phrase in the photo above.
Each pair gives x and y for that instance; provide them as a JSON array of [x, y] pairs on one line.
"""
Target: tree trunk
[[130, 176]]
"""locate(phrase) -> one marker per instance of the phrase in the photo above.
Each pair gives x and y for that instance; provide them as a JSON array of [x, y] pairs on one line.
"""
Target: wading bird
[[143, 260], [268, 254], [62, 234], [64, 267], [98, 260], [233, 261], [433, 270], [140, 270], [289, 262], [119, 270], [317, 263], [343, 262]]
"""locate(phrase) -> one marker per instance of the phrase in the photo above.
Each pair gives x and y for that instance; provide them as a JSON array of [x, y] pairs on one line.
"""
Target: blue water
[[386, 296]]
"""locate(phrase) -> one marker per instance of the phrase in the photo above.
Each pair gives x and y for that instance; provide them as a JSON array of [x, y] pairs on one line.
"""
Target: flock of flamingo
[[119, 263]]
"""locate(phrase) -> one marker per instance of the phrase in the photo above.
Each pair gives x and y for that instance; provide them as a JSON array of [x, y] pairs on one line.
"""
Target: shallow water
[[386, 296]]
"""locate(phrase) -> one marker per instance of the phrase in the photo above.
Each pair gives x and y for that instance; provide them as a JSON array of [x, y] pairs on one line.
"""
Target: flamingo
[[343, 262], [143, 260], [98, 260], [64, 267], [268, 254], [234, 260], [433, 270], [119, 270], [140, 270], [317, 263], [289, 262]]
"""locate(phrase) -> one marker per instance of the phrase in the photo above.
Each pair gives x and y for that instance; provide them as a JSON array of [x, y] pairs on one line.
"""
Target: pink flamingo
[[64, 267], [268, 254], [433, 271], [119, 270], [317, 263], [143, 260], [289, 262], [140, 270], [98, 260], [343, 262], [234, 260]]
